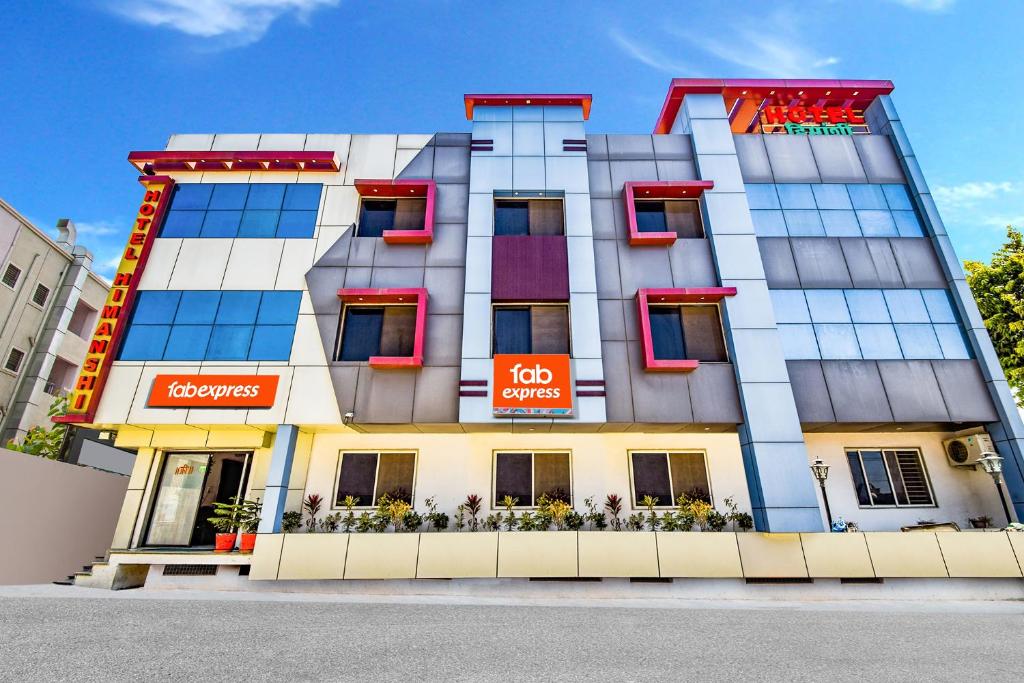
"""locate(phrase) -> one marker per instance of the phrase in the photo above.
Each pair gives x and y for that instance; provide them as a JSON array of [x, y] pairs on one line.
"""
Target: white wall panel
[[296, 260], [234, 142], [498, 131], [528, 139], [577, 216], [371, 157], [190, 142], [307, 347], [314, 401], [118, 394], [253, 264], [583, 319], [201, 263], [478, 264], [490, 173], [568, 174], [282, 141], [476, 330], [528, 173], [160, 264], [582, 274], [341, 205], [481, 215]]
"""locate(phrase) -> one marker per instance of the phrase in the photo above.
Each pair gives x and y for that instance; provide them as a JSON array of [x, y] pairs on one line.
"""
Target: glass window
[[940, 308], [221, 224], [265, 196], [668, 476], [547, 217], [804, 223], [229, 342], [897, 197], [832, 196], [666, 332], [650, 216], [528, 476], [530, 217], [768, 223], [511, 330], [279, 308], [795, 196], [867, 197], [867, 306], [702, 334], [183, 223], [889, 478], [878, 341], [908, 224], [229, 196], [790, 306], [840, 223], [918, 341], [398, 331], [238, 308], [511, 218], [360, 333], [302, 197], [187, 342], [952, 342], [376, 216], [155, 307], [837, 341], [798, 342], [906, 306], [271, 342], [827, 305], [877, 223], [197, 308], [296, 224], [259, 223], [191, 196], [684, 219], [531, 329], [216, 210], [145, 342], [762, 196], [369, 476]]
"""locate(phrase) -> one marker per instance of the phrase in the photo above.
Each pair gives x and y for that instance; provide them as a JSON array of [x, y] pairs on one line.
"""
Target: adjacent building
[[525, 307]]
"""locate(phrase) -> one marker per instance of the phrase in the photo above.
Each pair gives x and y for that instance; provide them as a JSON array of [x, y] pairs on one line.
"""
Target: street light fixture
[[992, 463], [820, 470]]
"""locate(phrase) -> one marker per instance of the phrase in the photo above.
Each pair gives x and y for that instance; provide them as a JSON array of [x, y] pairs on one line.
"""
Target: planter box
[[618, 554], [381, 556], [771, 556], [896, 554], [704, 554], [460, 555], [266, 557], [542, 554], [979, 555], [837, 556], [313, 556]]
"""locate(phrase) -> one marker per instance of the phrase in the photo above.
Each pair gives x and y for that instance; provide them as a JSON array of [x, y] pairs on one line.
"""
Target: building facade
[[49, 303], [527, 308]]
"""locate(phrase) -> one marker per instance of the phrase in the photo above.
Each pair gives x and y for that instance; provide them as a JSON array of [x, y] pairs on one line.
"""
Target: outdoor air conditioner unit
[[965, 449]]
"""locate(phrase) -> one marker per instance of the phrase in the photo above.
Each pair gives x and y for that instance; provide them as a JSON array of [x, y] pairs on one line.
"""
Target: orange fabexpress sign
[[528, 384], [213, 391]]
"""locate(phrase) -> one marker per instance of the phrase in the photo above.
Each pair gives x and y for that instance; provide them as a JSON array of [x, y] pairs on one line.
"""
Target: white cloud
[[651, 56], [100, 228], [967, 194], [236, 22], [926, 5]]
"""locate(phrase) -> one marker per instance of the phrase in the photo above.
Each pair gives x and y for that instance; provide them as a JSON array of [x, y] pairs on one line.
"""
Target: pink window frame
[[403, 189], [692, 295], [658, 189], [417, 296]]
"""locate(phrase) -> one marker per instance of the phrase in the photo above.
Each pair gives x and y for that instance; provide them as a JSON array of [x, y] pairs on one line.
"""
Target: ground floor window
[[889, 477], [368, 476], [667, 476], [527, 476]]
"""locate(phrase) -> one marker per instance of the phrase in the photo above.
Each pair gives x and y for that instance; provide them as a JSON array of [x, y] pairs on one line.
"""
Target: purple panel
[[529, 268]]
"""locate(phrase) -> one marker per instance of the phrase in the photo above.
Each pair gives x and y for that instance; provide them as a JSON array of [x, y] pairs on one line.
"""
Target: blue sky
[[84, 82]]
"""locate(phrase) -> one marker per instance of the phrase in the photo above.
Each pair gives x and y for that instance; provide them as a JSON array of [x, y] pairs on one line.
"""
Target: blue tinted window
[[650, 217], [768, 223], [877, 224], [798, 342], [952, 341], [867, 306], [908, 224], [265, 196], [187, 342], [906, 306], [789, 306], [762, 196], [229, 342], [221, 223], [302, 197], [837, 341], [510, 218], [867, 197], [229, 196], [144, 342], [296, 224], [940, 308], [897, 197], [192, 196], [197, 308], [918, 341], [795, 196], [667, 333], [183, 224], [832, 196], [258, 223], [279, 308], [803, 223], [155, 307], [360, 333], [827, 305], [878, 341], [238, 308], [272, 342], [840, 223]]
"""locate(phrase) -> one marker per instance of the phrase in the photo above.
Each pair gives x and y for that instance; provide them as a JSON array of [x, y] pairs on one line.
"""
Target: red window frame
[[403, 189], [658, 189], [301, 161], [693, 295], [418, 296]]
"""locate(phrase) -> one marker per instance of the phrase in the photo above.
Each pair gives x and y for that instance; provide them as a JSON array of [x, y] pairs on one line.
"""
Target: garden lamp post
[[993, 466], [820, 470]]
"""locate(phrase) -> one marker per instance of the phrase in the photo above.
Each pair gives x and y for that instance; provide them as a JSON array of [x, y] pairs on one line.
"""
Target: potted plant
[[226, 522], [291, 521], [249, 521]]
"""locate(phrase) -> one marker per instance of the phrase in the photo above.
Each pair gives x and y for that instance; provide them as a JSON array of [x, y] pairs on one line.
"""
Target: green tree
[[998, 288], [45, 442]]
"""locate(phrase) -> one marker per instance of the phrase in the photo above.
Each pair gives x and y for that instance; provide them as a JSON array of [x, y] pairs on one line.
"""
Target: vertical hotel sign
[[113, 318]]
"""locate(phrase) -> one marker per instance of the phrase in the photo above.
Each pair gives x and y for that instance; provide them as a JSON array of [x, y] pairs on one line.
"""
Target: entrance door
[[189, 486]]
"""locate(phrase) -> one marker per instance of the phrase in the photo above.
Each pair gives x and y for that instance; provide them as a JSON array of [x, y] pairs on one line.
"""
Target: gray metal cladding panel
[[837, 159], [692, 263], [859, 263], [791, 159], [964, 391], [820, 262], [452, 204], [632, 318], [451, 164], [600, 178], [657, 396], [449, 245], [642, 267], [618, 388], [446, 289], [386, 278], [385, 396], [602, 218], [630, 147], [329, 325], [437, 395], [421, 165], [885, 262], [918, 263], [323, 285], [399, 255], [753, 158], [356, 278], [597, 146], [779, 266], [714, 396], [452, 139], [443, 343], [613, 325], [344, 379], [337, 253], [361, 251], [913, 391], [810, 391], [856, 391], [625, 171], [676, 170], [879, 159], [673, 146], [606, 260]]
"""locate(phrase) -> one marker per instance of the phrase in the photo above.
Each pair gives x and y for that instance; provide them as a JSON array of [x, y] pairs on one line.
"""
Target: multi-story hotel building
[[525, 308]]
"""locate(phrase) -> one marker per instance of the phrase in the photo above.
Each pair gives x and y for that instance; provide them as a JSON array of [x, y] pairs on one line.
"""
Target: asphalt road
[[302, 639]]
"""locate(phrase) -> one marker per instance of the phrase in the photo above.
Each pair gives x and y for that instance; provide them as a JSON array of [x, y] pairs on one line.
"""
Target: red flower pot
[[224, 543], [247, 543]]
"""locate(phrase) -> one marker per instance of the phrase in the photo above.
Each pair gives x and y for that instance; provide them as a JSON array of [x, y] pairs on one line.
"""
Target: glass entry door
[[189, 486]]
